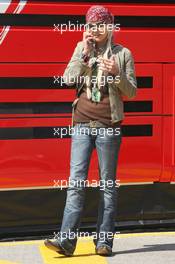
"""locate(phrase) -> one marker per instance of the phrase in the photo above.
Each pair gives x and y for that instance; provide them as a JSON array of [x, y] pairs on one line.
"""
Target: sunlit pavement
[[137, 248]]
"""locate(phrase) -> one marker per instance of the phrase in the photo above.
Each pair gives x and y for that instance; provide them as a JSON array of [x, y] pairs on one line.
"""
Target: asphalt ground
[[133, 248]]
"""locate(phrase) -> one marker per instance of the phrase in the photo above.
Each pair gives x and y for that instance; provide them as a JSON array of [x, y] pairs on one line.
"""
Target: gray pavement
[[141, 248]]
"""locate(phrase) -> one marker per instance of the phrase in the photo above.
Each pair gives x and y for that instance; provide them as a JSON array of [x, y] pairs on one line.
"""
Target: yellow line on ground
[[40, 242], [84, 253], [146, 234], [7, 262], [14, 243]]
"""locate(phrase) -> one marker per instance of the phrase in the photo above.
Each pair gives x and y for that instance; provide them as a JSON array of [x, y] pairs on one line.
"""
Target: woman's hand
[[109, 66], [87, 41]]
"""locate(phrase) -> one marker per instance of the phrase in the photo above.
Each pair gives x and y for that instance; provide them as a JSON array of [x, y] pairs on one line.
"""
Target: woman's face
[[98, 30]]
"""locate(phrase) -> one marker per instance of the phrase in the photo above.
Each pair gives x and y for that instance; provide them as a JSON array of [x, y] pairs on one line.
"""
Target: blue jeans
[[82, 144]]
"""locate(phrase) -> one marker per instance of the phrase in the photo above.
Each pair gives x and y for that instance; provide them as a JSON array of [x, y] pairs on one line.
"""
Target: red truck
[[34, 159]]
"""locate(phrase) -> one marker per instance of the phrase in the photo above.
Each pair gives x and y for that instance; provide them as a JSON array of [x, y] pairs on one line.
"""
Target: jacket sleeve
[[127, 82], [76, 66]]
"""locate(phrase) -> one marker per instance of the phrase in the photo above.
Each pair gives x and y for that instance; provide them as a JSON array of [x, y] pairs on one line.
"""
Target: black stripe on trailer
[[64, 107], [39, 20], [55, 82], [19, 133]]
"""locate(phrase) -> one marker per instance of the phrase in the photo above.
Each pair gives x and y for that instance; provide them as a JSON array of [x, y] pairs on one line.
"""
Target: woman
[[103, 72]]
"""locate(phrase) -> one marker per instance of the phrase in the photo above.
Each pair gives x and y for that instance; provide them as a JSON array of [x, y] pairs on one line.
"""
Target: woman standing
[[102, 71]]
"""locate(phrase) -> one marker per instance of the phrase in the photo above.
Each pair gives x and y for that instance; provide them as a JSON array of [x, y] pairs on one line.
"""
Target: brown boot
[[103, 250], [55, 246]]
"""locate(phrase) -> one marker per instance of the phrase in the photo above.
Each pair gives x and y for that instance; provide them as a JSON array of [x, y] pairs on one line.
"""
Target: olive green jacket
[[125, 85]]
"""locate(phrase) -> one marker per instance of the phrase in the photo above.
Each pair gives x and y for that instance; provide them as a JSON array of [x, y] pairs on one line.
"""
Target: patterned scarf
[[98, 13]]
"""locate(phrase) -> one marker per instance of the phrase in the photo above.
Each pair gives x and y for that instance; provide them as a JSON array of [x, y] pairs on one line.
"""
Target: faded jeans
[[82, 144]]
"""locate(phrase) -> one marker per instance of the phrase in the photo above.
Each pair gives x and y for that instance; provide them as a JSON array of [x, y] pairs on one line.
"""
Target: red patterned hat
[[99, 13]]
